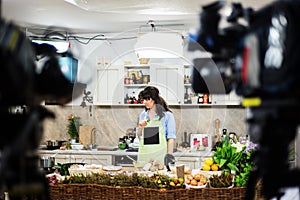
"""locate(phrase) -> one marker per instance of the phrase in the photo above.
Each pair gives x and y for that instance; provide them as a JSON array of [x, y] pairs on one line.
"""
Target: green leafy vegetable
[[227, 156]]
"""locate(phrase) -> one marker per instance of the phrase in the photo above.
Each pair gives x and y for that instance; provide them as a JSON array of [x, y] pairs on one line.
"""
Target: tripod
[[19, 172], [274, 128]]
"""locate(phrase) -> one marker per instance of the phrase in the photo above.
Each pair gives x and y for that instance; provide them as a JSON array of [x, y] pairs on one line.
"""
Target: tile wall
[[113, 121]]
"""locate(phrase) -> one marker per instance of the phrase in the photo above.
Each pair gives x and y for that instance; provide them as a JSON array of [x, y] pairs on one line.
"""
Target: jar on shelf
[[126, 80], [205, 98]]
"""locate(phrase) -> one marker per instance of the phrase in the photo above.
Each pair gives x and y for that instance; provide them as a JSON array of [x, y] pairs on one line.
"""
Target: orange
[[205, 167], [214, 167]]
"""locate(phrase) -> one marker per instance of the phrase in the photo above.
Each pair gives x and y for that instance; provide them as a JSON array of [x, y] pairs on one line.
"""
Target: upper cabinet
[[169, 79], [121, 85], [109, 86]]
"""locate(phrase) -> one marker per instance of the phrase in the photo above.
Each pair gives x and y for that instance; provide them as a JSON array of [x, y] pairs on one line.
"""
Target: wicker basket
[[96, 191]]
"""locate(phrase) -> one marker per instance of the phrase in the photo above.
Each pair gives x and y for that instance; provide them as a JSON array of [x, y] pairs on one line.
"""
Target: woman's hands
[[142, 124]]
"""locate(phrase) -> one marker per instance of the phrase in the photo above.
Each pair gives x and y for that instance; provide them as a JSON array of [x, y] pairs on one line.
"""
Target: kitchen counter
[[120, 157], [188, 153]]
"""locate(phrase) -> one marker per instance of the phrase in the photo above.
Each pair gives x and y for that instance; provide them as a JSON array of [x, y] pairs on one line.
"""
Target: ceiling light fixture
[[159, 44]]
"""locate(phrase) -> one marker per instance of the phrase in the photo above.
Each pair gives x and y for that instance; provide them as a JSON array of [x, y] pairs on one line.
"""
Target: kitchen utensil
[[77, 146], [217, 137], [185, 143], [112, 168], [217, 126], [54, 144], [47, 162], [122, 146]]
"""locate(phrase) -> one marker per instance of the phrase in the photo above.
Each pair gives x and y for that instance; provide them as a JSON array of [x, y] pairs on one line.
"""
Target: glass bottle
[[186, 96], [224, 134]]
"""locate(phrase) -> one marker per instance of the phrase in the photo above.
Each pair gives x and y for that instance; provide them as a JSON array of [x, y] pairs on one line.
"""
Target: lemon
[[208, 161], [215, 167], [205, 167]]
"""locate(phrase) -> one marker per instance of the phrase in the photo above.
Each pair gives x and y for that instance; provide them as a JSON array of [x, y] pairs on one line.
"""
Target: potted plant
[[73, 127]]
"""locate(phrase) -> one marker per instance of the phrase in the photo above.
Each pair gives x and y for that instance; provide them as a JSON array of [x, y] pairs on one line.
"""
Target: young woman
[[156, 116]]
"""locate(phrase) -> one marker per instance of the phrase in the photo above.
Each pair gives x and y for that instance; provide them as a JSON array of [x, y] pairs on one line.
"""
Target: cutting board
[[85, 134]]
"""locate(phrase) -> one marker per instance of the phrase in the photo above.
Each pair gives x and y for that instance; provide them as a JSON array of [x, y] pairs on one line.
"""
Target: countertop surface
[[185, 153]]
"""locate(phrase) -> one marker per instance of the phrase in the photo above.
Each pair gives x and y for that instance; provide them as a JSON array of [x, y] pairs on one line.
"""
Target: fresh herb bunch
[[224, 180], [101, 179], [157, 181], [123, 179], [73, 126], [227, 156]]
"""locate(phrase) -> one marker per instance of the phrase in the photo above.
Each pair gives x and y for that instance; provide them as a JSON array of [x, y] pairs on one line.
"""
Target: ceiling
[[107, 16]]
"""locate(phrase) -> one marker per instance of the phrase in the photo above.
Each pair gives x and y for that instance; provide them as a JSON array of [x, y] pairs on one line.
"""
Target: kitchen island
[[119, 157], [99, 191]]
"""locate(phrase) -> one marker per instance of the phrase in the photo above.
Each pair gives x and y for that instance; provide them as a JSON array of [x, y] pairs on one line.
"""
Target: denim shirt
[[168, 122]]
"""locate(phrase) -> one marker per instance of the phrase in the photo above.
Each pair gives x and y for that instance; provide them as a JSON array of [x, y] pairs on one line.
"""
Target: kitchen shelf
[[138, 66], [136, 78], [169, 78], [135, 85], [187, 85]]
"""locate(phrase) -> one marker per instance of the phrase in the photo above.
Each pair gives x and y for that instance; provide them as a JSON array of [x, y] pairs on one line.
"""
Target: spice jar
[[205, 98], [126, 80]]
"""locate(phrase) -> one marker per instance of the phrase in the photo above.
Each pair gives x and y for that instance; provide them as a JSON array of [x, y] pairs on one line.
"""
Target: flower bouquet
[[246, 162]]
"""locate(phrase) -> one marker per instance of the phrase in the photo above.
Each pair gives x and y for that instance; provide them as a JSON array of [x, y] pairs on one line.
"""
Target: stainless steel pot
[[54, 144], [47, 162]]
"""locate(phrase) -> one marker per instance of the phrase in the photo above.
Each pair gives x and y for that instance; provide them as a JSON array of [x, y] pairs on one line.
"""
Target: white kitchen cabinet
[[169, 80], [104, 160], [229, 99], [109, 85], [116, 84], [192, 162], [80, 158]]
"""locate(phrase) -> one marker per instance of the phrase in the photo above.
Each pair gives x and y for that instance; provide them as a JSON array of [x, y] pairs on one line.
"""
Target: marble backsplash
[[113, 121]]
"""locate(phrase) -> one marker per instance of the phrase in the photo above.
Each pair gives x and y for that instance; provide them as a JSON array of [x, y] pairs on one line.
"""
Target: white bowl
[[195, 187], [77, 146], [208, 173]]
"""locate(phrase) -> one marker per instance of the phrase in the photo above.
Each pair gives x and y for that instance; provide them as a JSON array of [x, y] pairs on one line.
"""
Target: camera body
[[25, 82], [257, 54]]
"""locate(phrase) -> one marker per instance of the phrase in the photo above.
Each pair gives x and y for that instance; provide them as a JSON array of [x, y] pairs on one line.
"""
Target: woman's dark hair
[[153, 93]]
